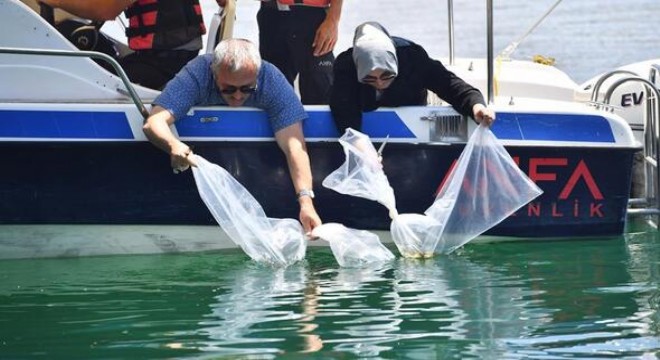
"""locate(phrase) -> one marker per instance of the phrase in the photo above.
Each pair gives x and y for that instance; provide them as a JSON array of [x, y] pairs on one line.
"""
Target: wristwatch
[[306, 192]]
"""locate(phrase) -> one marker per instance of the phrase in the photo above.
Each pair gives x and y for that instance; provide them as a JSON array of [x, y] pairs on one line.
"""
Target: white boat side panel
[[517, 78], [40, 78]]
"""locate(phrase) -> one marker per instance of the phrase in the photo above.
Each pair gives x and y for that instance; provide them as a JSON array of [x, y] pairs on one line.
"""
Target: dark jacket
[[417, 73]]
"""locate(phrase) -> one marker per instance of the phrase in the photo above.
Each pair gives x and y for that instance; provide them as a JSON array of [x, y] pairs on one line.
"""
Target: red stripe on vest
[[140, 15], [141, 42], [147, 19], [198, 11]]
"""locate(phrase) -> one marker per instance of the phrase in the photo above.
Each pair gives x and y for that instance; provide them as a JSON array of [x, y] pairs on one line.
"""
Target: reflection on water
[[507, 300]]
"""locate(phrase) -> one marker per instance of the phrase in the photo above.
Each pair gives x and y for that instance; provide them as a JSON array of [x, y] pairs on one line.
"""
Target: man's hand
[[483, 114], [326, 36], [180, 158], [157, 129], [308, 216]]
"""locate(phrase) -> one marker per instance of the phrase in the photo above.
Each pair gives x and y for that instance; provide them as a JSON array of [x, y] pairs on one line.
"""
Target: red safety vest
[[315, 3], [164, 24]]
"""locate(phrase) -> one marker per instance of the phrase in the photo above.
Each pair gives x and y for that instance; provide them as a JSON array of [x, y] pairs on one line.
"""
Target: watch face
[[306, 192]]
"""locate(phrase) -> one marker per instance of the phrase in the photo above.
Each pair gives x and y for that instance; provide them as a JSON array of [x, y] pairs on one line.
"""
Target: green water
[[545, 300]]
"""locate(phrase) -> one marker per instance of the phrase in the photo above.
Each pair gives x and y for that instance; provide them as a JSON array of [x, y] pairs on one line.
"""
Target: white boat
[[81, 179]]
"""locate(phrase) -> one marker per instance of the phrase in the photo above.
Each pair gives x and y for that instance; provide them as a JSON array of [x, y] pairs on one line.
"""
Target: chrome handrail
[[601, 80], [655, 69], [490, 59], [88, 54], [450, 25], [651, 139]]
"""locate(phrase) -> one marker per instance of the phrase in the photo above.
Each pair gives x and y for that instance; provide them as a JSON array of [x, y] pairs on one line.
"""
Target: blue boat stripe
[[379, 124], [51, 124], [218, 123], [254, 124], [553, 127]]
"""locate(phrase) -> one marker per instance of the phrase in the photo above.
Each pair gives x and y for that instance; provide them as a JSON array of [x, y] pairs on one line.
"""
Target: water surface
[[547, 300], [564, 299]]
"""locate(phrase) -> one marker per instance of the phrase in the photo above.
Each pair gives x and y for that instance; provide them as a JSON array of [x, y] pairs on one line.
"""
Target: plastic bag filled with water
[[484, 187], [272, 241], [415, 235], [360, 175], [351, 247]]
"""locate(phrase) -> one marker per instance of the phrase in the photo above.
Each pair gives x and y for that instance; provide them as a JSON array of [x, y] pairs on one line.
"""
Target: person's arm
[[186, 90], [286, 114], [328, 32], [345, 104], [100, 10], [157, 130], [464, 97], [292, 142]]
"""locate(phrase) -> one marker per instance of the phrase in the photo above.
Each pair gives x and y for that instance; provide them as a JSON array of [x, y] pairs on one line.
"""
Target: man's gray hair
[[235, 55]]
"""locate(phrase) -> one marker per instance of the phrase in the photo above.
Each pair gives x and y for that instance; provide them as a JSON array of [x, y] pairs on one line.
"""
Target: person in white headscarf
[[381, 70]]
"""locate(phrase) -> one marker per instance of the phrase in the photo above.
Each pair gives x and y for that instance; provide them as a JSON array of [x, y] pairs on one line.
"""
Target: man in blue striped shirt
[[236, 76]]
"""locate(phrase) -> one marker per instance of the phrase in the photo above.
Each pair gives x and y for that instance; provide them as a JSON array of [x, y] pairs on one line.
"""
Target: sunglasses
[[245, 89], [383, 77]]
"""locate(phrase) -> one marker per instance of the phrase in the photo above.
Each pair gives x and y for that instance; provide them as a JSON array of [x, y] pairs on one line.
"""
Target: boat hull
[[131, 183]]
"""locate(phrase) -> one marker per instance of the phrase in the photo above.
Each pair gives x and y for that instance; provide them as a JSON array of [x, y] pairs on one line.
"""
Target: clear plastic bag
[[361, 174], [415, 235], [353, 248], [484, 188], [273, 241]]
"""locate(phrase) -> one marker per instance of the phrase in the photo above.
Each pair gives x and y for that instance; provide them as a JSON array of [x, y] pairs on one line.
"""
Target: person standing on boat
[[163, 34], [380, 70], [234, 75], [298, 37]]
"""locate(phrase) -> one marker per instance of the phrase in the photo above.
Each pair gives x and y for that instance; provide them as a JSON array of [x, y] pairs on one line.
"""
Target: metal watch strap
[[306, 192]]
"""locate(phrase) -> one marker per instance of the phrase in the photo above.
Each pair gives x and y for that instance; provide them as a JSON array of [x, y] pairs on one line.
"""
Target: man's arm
[[157, 129], [100, 10], [328, 32], [292, 142]]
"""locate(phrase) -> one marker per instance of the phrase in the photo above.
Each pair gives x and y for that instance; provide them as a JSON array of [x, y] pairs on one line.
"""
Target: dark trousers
[[285, 40], [153, 69]]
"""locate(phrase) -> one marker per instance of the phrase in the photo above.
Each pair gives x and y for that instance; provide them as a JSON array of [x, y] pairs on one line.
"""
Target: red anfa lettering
[[499, 179], [534, 209], [536, 163], [595, 210], [444, 180], [468, 187], [581, 171], [555, 211]]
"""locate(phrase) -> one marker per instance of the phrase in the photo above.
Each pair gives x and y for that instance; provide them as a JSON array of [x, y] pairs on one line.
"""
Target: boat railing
[[130, 90], [599, 83], [650, 200]]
